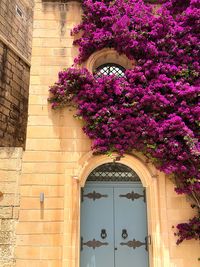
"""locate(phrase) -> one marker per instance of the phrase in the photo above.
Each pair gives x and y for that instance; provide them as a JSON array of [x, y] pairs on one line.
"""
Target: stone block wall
[[179, 211], [14, 83], [16, 19], [10, 168], [55, 142]]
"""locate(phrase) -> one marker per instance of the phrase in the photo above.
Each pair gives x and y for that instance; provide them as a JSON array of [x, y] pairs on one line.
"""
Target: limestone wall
[[178, 211], [57, 149], [10, 169], [16, 18], [54, 144], [14, 84]]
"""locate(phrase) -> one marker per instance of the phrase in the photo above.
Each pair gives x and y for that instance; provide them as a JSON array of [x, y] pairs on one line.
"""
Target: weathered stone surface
[[14, 71], [6, 251], [13, 99], [5, 237], [10, 199], [5, 212], [15, 28], [11, 165], [8, 176], [11, 263], [14, 83], [15, 212], [8, 188], [7, 225], [10, 153], [10, 168]]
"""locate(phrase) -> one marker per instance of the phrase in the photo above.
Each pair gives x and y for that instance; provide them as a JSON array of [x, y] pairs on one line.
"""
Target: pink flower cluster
[[190, 230], [155, 107]]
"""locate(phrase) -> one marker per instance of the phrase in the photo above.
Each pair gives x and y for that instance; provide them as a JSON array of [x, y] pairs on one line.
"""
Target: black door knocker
[[124, 233], [103, 233]]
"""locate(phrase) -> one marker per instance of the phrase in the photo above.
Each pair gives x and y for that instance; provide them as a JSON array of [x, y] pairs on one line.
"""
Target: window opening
[[19, 12], [109, 69]]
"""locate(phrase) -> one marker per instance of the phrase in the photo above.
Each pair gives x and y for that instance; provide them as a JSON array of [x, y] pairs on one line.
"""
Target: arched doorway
[[113, 218]]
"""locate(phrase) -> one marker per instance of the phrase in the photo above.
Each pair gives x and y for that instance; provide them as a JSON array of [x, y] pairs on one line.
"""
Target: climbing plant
[[155, 107]]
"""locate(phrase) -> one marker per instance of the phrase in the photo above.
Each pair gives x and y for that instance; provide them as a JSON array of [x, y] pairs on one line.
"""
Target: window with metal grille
[[113, 172], [109, 69]]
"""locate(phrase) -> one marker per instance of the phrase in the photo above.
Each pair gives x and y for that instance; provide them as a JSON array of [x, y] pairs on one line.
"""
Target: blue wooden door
[[130, 226], [113, 226], [97, 237]]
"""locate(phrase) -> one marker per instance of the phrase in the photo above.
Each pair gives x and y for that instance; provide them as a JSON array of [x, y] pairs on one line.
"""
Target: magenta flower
[[155, 107]]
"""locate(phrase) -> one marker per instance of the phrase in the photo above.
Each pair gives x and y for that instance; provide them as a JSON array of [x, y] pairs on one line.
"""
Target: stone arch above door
[[136, 162]]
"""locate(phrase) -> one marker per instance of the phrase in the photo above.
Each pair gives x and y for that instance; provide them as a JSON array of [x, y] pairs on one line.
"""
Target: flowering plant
[[189, 230], [155, 107]]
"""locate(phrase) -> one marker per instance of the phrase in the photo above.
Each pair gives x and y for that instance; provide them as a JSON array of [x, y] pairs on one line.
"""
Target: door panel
[[130, 215], [113, 210], [97, 215]]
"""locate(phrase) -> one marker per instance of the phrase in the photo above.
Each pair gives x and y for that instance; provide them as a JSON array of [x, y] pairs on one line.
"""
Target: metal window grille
[[113, 172], [109, 69]]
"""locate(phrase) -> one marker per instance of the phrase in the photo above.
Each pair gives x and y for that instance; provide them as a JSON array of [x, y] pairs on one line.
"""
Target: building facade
[[16, 21], [57, 161]]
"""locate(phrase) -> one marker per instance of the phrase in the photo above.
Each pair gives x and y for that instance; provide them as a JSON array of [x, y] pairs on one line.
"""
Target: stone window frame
[[107, 56]]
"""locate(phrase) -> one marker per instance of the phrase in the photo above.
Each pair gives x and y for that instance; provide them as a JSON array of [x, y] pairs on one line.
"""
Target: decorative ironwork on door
[[135, 244], [93, 195], [93, 243], [133, 196]]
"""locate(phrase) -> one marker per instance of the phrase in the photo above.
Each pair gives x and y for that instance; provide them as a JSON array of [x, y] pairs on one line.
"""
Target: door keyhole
[[124, 234], [103, 233]]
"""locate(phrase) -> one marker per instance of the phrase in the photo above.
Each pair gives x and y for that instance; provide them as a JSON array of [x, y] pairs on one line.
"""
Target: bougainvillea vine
[[155, 107]]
